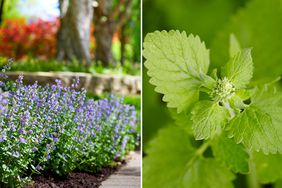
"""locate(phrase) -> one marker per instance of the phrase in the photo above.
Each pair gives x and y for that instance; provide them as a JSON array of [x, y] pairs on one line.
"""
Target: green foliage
[[37, 65], [233, 155], [204, 17], [184, 61], [268, 167], [239, 70], [208, 119], [10, 9], [255, 130], [234, 46], [229, 115], [172, 150]]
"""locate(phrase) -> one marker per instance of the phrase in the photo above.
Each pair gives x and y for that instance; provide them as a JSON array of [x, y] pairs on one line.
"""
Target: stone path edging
[[128, 176], [95, 83]]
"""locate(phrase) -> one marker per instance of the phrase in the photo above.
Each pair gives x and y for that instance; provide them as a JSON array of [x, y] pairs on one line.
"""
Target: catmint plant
[[235, 125], [54, 129]]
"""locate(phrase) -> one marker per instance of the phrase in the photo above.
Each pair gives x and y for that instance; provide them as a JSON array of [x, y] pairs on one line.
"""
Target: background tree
[[9, 9], [109, 16], [130, 34], [74, 33], [1, 10]]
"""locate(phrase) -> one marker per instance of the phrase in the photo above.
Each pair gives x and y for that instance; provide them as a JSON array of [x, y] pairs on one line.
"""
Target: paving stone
[[128, 176]]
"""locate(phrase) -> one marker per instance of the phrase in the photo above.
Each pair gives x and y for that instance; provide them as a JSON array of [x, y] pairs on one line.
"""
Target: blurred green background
[[256, 23]]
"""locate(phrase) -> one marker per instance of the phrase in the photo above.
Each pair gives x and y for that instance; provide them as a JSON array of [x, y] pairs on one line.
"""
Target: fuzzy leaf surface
[[270, 100], [231, 154], [239, 69], [234, 47], [208, 119], [177, 65], [254, 128]]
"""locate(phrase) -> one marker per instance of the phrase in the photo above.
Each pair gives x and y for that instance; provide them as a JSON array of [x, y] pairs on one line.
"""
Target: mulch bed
[[74, 180]]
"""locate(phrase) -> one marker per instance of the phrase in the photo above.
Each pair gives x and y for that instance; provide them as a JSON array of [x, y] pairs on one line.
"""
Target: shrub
[[18, 38], [54, 129]]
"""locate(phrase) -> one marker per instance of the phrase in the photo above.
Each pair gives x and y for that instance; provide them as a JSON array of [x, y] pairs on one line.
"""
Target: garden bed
[[55, 129], [82, 179], [75, 179]]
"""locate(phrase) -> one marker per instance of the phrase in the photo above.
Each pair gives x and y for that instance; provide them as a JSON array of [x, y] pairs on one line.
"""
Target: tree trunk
[[103, 32], [107, 20], [103, 36], [1, 10], [74, 34], [122, 44]]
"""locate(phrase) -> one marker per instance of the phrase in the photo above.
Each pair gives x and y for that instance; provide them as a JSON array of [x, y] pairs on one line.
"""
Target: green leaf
[[183, 120], [234, 47], [177, 65], [270, 101], [207, 173], [231, 154], [208, 119], [268, 167], [254, 128], [172, 151], [239, 69]]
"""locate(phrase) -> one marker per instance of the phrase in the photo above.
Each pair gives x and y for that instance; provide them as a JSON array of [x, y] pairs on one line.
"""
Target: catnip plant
[[54, 129], [225, 125]]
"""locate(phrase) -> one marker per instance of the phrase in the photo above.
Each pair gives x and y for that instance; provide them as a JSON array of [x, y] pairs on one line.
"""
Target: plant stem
[[202, 149], [199, 152], [230, 110], [252, 177]]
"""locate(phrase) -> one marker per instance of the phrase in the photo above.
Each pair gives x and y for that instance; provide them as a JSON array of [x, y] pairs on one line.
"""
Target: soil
[[73, 180]]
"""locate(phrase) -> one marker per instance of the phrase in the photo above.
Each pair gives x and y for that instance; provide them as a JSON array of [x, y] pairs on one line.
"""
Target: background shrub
[[19, 39]]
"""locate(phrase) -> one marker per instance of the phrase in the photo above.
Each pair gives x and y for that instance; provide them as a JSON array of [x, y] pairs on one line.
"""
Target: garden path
[[128, 176]]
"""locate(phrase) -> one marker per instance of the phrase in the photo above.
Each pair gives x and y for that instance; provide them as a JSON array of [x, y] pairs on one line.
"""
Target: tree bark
[[103, 36], [122, 44], [107, 20], [73, 37], [1, 10]]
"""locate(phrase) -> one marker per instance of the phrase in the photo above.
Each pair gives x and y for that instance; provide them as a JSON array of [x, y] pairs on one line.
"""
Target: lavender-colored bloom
[[22, 140], [39, 167], [22, 131], [2, 138], [2, 84], [20, 80]]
